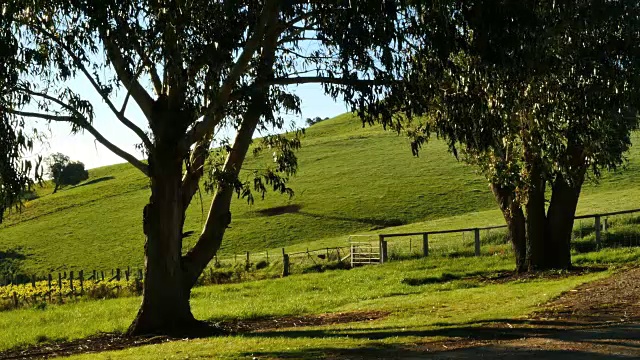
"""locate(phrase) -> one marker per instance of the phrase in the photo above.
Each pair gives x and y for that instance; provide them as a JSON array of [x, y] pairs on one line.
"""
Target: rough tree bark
[[516, 225], [535, 218], [562, 210], [165, 306]]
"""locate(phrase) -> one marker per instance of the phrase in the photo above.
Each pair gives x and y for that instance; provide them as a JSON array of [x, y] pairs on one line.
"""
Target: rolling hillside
[[351, 180]]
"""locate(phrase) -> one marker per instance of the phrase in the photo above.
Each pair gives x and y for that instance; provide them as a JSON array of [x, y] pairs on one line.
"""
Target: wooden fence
[[311, 257], [599, 227], [69, 286], [116, 275]]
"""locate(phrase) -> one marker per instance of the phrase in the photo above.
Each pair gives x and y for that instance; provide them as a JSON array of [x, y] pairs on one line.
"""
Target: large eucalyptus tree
[[193, 67], [537, 95]]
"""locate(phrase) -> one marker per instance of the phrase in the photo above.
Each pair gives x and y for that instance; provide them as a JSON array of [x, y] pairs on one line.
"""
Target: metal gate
[[364, 253]]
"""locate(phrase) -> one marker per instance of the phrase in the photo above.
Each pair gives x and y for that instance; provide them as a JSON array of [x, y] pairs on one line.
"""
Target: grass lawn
[[351, 180], [415, 312]]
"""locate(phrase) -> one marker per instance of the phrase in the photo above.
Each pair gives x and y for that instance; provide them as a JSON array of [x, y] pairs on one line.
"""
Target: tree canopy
[[535, 95]]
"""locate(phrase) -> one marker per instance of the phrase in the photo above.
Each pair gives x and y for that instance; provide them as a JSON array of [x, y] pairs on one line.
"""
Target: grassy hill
[[351, 180]]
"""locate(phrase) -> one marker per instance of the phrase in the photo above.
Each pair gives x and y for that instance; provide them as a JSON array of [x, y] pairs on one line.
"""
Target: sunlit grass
[[351, 180], [456, 296]]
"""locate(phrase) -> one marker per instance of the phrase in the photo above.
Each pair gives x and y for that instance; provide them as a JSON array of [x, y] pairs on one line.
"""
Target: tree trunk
[[560, 219], [514, 217], [195, 261], [518, 236], [536, 219], [169, 275], [165, 300]]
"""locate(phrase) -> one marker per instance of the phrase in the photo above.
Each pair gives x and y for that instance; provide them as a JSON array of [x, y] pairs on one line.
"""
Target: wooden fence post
[[425, 244], [383, 249], [102, 275], [118, 274], [285, 264], [477, 241], [60, 282], [352, 250], [597, 226], [33, 281], [71, 281], [15, 299], [267, 251], [247, 265], [81, 278], [49, 280]]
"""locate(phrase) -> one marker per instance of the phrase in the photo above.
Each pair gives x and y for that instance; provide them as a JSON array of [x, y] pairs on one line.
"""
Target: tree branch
[[219, 215], [290, 39], [123, 119], [139, 94], [297, 19], [253, 43], [306, 57], [325, 80], [83, 123], [153, 73]]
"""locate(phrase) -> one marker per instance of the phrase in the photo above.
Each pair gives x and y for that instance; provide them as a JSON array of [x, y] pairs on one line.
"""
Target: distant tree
[[312, 121], [56, 164], [537, 96], [73, 174], [64, 172]]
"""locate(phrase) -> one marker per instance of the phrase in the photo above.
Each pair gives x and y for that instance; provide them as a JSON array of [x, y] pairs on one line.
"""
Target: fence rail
[[476, 230]]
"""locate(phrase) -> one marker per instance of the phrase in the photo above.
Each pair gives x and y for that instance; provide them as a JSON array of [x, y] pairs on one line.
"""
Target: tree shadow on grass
[[375, 223], [297, 209], [490, 351], [280, 210], [95, 181], [11, 254], [559, 339], [11, 265]]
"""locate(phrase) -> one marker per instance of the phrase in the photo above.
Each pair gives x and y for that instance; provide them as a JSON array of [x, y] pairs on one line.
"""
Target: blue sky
[[82, 147]]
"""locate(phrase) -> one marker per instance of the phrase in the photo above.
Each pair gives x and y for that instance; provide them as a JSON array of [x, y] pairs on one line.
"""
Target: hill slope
[[351, 180]]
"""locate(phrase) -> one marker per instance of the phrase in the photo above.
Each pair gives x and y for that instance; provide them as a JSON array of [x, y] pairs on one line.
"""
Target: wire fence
[[590, 233], [65, 287]]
